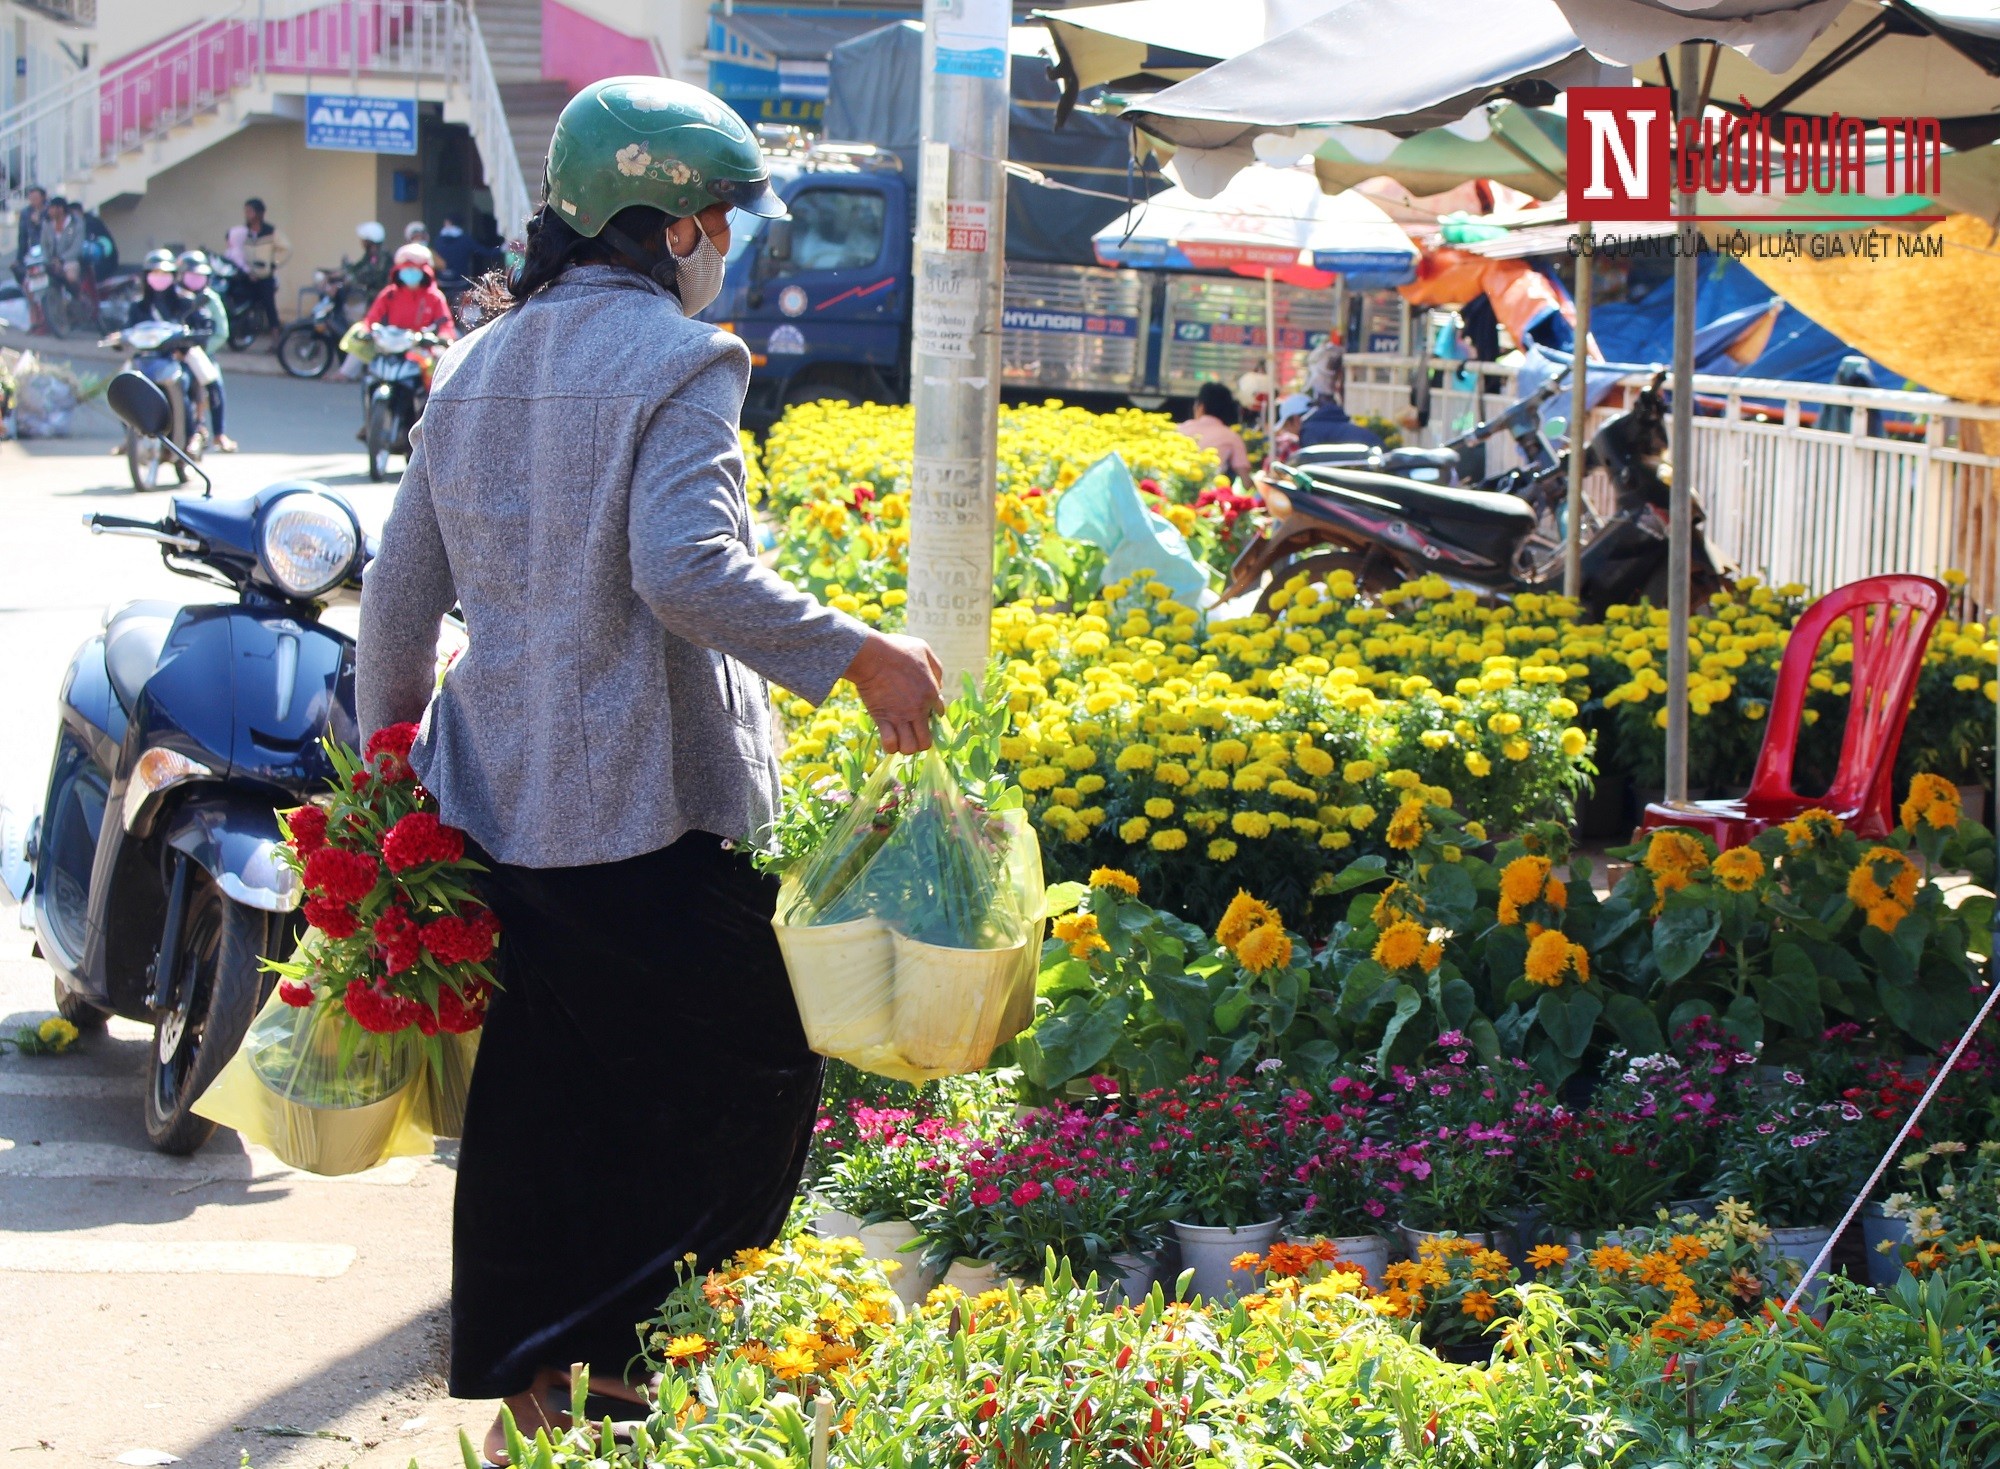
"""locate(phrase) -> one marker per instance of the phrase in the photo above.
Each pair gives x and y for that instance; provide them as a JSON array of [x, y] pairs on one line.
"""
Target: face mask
[[195, 282], [410, 277], [160, 280], [697, 275]]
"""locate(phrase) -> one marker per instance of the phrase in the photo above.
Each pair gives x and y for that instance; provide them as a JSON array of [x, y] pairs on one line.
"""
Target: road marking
[[104, 1088], [108, 1160], [42, 1254]]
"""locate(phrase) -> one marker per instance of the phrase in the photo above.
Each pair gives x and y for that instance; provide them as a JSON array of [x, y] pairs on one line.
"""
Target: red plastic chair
[[1893, 617]]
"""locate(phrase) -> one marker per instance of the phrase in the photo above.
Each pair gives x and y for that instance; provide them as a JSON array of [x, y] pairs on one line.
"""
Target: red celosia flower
[[295, 992], [308, 826], [419, 839], [378, 1009], [397, 939], [459, 940], [458, 1013], [345, 877], [388, 752], [335, 920]]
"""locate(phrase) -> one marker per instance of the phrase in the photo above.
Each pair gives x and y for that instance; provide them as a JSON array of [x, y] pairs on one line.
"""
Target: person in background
[[195, 276], [1214, 427], [370, 271], [411, 300], [454, 250], [416, 232], [62, 245], [236, 246], [1285, 434], [162, 298], [1328, 423], [100, 247], [266, 249], [28, 230]]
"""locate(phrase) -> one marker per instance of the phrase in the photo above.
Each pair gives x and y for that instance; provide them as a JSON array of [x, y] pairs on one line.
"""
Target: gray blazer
[[576, 487]]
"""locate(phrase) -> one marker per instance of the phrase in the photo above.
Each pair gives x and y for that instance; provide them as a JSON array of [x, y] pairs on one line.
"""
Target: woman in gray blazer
[[644, 1093]]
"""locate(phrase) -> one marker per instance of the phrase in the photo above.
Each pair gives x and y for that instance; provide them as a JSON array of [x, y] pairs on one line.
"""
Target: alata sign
[[361, 124], [1628, 157]]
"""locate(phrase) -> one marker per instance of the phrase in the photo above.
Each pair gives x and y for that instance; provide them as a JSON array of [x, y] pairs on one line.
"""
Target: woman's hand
[[898, 678]]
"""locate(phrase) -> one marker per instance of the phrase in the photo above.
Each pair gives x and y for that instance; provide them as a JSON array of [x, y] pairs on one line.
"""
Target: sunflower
[[1401, 945], [1264, 947], [1551, 955], [1397, 901], [1739, 868], [1111, 877], [1884, 886], [1407, 827], [1521, 883], [1079, 931], [1811, 826], [1933, 801], [1242, 915]]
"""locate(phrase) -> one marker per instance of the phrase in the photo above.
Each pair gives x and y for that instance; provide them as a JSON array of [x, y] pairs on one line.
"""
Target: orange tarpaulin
[[1934, 319], [1521, 295]]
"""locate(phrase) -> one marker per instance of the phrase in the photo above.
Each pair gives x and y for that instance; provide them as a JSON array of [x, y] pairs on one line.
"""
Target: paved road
[[219, 1305]]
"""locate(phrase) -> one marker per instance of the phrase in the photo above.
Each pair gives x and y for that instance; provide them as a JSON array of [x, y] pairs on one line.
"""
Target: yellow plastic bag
[[912, 936]]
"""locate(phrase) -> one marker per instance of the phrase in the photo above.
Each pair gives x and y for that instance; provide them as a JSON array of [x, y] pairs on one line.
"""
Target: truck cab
[[822, 298]]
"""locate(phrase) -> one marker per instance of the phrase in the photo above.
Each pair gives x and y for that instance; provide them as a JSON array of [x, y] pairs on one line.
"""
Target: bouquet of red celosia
[[400, 939]]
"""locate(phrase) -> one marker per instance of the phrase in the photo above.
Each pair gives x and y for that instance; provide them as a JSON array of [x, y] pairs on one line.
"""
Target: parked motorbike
[[312, 345], [61, 308], [152, 874], [394, 390], [159, 351], [1387, 516], [249, 317]]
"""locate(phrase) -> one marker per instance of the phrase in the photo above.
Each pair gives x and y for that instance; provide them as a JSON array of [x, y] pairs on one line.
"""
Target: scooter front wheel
[[77, 1010], [142, 458], [216, 989], [305, 351]]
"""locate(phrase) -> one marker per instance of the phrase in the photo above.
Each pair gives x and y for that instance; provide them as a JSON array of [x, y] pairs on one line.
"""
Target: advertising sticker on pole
[[354, 124], [972, 37]]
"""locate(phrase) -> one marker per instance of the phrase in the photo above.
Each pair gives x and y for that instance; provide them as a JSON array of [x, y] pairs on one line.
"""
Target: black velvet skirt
[[643, 1093]]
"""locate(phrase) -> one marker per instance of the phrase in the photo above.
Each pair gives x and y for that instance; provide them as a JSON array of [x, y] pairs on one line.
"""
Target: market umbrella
[[1522, 147]]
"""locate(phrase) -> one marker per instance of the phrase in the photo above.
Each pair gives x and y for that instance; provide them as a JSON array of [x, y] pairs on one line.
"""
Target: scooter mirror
[[139, 403]]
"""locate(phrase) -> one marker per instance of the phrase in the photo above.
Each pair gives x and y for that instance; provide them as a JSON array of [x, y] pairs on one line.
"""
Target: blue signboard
[[361, 124]]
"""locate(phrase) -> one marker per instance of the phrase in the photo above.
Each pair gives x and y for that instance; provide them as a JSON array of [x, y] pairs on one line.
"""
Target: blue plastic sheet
[[1103, 509]]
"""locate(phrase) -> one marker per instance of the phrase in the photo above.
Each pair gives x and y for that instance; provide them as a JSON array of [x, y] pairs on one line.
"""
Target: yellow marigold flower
[[1221, 849], [1252, 824], [1407, 827], [792, 1362], [1333, 841], [1228, 752], [1111, 877], [1400, 945], [1739, 868], [1264, 947], [1079, 931], [1313, 761], [1136, 757], [1504, 723], [1171, 773], [1361, 817], [1933, 801], [1356, 771], [1159, 808], [1134, 829], [1474, 830], [1041, 777], [1516, 748], [1079, 757], [1574, 742], [1478, 764], [56, 1033], [1089, 785], [1167, 839], [1403, 780]]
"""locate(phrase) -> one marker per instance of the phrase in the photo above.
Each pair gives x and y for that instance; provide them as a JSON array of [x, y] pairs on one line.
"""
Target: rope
[[1895, 1147]]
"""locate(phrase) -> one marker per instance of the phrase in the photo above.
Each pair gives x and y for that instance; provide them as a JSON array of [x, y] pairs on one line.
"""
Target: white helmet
[[372, 231]]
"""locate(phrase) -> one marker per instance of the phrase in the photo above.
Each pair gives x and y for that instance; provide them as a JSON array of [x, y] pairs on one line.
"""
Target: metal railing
[[106, 112], [1801, 482]]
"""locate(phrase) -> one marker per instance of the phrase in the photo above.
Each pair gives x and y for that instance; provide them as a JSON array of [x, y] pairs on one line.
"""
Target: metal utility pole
[[1579, 413], [955, 344], [1690, 97]]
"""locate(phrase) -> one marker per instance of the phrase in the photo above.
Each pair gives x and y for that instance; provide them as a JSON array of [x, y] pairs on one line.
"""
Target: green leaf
[[1062, 897], [1231, 1008], [1183, 1000], [1458, 1002], [1076, 1038], [1896, 964], [1361, 870], [1485, 1039], [1408, 1003], [1789, 995], [1681, 935], [1744, 1021], [1632, 1021], [1449, 897], [1569, 1016]]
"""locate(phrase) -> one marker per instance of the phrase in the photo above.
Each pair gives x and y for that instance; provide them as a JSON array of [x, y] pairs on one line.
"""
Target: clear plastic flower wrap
[[912, 933]]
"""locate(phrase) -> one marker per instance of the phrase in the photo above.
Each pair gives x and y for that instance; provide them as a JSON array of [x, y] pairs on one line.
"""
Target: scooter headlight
[[309, 543]]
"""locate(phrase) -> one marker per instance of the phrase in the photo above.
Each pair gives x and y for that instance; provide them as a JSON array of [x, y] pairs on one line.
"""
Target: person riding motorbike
[[62, 245], [369, 273], [195, 277], [411, 300], [1328, 422], [162, 298]]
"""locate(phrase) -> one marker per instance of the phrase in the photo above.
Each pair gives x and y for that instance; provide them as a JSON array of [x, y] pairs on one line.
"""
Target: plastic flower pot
[[331, 1141], [1577, 1241], [948, 1003], [1368, 1253], [1506, 1241], [832, 1223], [911, 1280], [1129, 1279], [1885, 1266], [446, 1082], [840, 977], [1207, 1249], [974, 1277], [1802, 1244]]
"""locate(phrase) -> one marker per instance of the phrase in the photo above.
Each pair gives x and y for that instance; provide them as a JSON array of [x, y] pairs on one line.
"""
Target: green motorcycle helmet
[[648, 140]]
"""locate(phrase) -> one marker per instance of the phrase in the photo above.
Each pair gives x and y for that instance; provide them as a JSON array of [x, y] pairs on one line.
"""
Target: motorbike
[[249, 317], [159, 351], [152, 874], [57, 305], [394, 390], [1387, 516], [310, 346]]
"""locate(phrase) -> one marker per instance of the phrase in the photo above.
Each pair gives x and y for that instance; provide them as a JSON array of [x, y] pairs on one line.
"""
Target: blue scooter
[[152, 874]]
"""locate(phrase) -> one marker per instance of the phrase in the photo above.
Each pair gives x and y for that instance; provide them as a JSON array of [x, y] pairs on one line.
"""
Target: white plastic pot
[[1885, 1267], [911, 1279], [1368, 1253], [1207, 1249], [974, 1277], [948, 1003], [1802, 1244], [841, 977], [832, 1223], [1129, 1279]]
